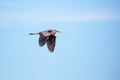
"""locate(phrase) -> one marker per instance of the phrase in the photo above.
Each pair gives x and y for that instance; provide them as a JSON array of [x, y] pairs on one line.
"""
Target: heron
[[47, 37]]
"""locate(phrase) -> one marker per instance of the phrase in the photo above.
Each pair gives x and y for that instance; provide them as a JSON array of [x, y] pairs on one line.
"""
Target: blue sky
[[88, 47]]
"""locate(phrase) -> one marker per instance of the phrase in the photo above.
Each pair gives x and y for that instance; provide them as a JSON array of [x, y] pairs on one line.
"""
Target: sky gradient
[[88, 47]]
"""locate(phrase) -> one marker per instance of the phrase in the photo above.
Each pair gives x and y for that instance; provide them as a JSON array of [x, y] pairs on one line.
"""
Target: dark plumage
[[47, 37]]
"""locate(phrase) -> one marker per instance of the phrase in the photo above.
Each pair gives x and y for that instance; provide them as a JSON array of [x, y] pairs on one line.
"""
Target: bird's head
[[53, 32]]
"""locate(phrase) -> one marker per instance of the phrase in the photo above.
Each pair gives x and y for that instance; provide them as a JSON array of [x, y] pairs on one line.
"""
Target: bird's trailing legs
[[33, 33]]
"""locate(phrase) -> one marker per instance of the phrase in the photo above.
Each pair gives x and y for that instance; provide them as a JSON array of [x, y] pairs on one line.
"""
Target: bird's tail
[[33, 33]]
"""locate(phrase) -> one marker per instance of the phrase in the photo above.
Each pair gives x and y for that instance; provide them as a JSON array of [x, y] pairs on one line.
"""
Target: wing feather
[[42, 40], [51, 43]]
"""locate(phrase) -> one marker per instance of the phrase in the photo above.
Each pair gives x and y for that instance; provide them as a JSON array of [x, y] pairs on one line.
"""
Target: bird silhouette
[[47, 37]]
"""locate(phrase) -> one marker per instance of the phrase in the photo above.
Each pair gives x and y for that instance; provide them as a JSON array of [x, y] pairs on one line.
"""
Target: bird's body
[[48, 37]]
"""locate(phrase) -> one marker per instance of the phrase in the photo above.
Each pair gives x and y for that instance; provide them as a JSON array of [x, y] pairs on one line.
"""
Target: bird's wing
[[42, 40], [45, 33], [51, 43]]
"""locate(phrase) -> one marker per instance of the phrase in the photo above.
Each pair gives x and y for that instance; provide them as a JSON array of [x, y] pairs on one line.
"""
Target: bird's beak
[[58, 31]]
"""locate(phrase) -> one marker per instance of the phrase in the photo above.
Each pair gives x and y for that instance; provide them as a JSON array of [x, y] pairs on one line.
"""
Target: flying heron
[[48, 37]]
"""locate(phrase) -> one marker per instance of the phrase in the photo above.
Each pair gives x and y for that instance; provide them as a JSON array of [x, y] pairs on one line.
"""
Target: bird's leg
[[33, 33]]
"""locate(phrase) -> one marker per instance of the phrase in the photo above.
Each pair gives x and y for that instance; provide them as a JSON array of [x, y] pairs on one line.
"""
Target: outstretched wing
[[51, 43], [42, 39], [46, 33]]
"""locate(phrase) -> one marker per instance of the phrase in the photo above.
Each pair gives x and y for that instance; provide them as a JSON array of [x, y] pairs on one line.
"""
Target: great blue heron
[[48, 37]]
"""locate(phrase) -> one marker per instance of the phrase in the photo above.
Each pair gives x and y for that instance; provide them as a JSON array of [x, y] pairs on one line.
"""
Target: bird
[[47, 37]]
